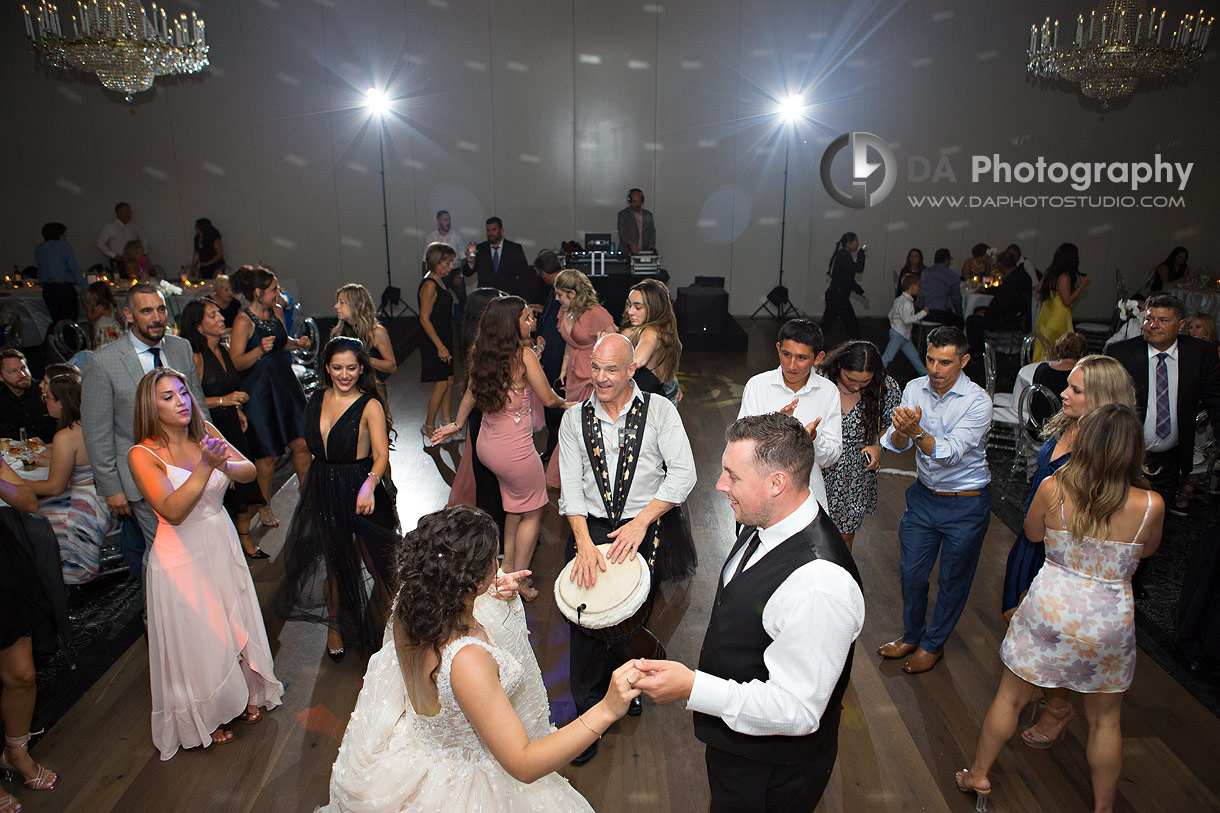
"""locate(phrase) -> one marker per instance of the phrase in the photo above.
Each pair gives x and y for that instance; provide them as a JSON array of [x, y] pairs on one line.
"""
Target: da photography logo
[[861, 170]]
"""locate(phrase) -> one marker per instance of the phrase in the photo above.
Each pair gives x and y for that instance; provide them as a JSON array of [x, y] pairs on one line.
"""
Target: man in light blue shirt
[[945, 416], [58, 273], [942, 291]]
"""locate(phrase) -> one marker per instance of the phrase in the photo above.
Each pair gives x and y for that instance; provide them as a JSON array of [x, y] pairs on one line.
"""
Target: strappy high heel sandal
[[267, 517], [9, 803], [980, 794], [1036, 739], [43, 780]]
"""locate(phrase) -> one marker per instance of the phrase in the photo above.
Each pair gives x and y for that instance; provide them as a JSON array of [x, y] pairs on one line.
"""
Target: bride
[[453, 714]]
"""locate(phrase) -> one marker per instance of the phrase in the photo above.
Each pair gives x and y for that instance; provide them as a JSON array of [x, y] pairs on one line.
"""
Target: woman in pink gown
[[504, 375], [208, 656], [581, 321]]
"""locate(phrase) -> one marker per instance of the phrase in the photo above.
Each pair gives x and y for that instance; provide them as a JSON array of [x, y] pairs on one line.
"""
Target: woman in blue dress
[[1093, 382], [276, 409]]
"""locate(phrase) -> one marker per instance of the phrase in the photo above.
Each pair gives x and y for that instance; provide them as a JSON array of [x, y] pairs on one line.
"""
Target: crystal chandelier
[[115, 40], [1119, 44]]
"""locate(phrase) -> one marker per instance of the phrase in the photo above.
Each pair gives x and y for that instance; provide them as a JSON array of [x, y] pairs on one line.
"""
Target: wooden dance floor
[[901, 739]]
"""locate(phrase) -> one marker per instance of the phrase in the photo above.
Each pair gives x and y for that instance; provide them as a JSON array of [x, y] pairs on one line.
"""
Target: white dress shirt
[[812, 617], [1151, 442], [116, 235], [664, 471], [819, 398], [903, 315], [144, 353]]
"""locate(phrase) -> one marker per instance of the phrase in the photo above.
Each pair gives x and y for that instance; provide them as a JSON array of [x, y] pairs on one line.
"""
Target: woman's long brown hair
[[1106, 461]]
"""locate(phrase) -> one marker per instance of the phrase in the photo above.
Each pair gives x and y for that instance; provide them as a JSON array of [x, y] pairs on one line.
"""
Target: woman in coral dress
[[504, 375], [208, 655], [1075, 629]]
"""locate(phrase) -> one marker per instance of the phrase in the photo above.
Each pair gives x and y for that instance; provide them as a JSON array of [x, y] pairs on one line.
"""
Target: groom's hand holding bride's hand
[[664, 681]]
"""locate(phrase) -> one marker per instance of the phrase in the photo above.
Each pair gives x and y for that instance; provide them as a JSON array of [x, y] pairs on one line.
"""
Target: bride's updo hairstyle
[[441, 566]]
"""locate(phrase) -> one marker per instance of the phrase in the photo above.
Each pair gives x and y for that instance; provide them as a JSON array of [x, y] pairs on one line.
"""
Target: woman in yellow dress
[[1061, 285]]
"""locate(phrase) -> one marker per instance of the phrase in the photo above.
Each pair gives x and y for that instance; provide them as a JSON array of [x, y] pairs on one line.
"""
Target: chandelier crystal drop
[[1117, 45], [116, 40]]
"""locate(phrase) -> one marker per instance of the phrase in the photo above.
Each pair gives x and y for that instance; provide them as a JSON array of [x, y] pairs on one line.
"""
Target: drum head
[[617, 594]]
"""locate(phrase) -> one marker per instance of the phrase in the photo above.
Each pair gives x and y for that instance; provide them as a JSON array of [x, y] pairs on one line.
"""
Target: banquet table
[[34, 319], [974, 299], [1197, 301]]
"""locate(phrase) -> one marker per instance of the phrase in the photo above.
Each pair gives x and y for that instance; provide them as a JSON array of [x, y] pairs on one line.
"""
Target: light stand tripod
[[391, 297], [777, 297]]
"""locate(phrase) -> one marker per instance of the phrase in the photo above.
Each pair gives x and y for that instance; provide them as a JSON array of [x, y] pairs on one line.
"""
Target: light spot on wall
[[272, 4], [984, 56], [212, 169], [438, 3], [212, 70], [817, 36], [707, 144], [414, 60], [921, 62], [411, 231], [475, 66], [587, 145], [351, 242], [296, 160], [68, 186], [283, 242], [834, 214], [1027, 234], [941, 16], [355, 167], [467, 146], [589, 59], [767, 221], [952, 149], [653, 147], [957, 225], [857, 64], [411, 163], [517, 67], [691, 65], [760, 53], [653, 9], [897, 225], [1190, 231], [1100, 228], [637, 65], [288, 79], [325, 3], [153, 172], [529, 159], [731, 208], [69, 94]]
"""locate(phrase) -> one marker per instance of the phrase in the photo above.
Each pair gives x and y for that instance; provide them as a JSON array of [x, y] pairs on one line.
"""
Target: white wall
[[546, 111]]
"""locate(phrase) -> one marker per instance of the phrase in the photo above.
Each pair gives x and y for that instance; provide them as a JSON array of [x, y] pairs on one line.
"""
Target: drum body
[[615, 609]]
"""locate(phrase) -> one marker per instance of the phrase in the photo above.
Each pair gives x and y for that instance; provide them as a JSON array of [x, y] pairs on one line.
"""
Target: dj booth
[[613, 275]]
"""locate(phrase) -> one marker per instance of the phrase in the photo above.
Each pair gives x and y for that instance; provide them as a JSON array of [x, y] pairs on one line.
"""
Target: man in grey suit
[[637, 231], [108, 403]]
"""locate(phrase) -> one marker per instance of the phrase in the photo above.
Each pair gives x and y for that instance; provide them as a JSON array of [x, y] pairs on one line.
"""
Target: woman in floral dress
[[868, 397], [1076, 627]]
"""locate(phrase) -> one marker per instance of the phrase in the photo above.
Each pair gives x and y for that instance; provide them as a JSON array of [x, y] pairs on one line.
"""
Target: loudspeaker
[[709, 282], [702, 310]]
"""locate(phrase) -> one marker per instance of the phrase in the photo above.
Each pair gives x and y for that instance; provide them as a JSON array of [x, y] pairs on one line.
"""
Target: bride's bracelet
[[586, 725]]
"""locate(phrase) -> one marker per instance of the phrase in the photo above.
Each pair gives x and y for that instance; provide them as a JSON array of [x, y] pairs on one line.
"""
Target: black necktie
[[156, 353], [751, 548]]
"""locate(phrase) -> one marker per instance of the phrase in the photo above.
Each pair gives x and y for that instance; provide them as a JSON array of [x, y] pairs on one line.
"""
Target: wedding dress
[[394, 759]]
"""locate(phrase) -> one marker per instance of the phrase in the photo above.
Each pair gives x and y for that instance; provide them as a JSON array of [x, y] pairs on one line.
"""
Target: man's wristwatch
[[922, 434]]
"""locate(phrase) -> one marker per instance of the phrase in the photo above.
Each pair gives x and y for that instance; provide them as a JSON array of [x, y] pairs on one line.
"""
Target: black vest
[[735, 640]]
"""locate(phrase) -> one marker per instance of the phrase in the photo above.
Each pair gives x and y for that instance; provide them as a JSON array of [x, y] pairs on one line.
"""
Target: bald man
[[624, 461]]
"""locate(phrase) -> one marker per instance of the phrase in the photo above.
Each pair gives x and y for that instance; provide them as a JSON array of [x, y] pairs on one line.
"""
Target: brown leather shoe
[[896, 649], [922, 661]]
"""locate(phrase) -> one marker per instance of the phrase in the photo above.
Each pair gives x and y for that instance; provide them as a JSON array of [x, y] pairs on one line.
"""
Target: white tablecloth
[[974, 299], [1197, 301]]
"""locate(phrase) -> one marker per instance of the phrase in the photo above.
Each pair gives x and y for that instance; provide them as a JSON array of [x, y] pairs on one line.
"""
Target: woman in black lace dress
[[345, 522], [203, 325], [276, 410]]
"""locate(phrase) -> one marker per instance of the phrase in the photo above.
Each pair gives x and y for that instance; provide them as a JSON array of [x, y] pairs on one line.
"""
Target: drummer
[[658, 470]]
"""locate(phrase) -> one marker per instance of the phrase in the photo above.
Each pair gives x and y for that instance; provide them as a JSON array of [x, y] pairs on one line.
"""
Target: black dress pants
[[838, 306], [62, 301], [741, 785], [1198, 635], [590, 661]]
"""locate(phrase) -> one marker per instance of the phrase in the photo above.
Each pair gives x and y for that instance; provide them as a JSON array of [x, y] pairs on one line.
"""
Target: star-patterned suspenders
[[615, 497]]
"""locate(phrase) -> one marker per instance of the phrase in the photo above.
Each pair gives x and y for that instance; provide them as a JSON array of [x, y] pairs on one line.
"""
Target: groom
[[767, 693]]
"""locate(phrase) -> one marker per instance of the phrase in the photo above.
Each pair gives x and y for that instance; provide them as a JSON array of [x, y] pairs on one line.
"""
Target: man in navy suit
[[501, 264]]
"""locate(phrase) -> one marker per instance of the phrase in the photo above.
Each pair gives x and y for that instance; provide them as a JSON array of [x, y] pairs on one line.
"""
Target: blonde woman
[[648, 320], [358, 320], [1076, 628], [212, 666], [581, 320]]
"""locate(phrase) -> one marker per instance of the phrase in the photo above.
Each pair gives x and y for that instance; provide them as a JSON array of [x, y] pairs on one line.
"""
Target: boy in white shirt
[[902, 316]]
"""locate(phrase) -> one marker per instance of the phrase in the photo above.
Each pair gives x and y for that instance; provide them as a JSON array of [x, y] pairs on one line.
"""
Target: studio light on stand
[[789, 111], [378, 105]]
